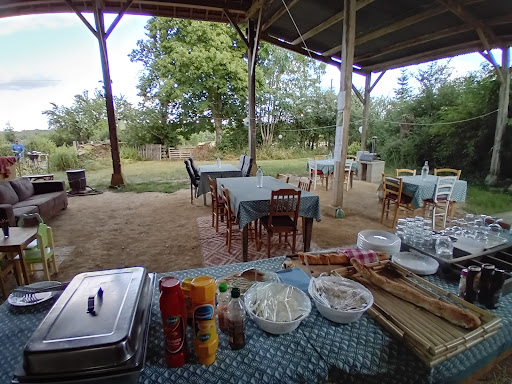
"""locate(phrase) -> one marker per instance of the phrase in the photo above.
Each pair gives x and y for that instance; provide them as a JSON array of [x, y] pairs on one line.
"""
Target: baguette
[[450, 312], [323, 259]]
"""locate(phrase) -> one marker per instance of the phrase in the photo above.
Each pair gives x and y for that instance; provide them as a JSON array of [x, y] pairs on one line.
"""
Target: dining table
[[250, 203], [424, 188], [317, 351], [214, 172], [327, 168]]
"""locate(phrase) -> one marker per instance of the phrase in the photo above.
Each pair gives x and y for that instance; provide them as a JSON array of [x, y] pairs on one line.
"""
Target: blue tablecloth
[[360, 352], [250, 203], [424, 189], [327, 166], [225, 170]]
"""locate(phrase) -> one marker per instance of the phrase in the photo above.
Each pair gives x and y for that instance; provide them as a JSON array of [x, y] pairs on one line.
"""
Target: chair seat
[[318, 172], [281, 222], [403, 199], [33, 255]]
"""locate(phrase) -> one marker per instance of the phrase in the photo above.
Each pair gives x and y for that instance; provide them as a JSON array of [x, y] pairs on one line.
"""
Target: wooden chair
[[405, 172], [283, 216], [320, 157], [447, 172], [282, 176], [44, 253], [194, 182], [8, 267], [351, 157], [392, 193], [440, 204], [218, 209], [305, 184]]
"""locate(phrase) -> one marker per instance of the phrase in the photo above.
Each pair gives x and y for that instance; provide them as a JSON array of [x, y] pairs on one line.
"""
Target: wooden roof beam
[[427, 38], [329, 22], [302, 51], [436, 54], [280, 12], [237, 28], [408, 21]]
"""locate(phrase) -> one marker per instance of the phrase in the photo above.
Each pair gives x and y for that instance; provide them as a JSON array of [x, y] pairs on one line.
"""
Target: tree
[[194, 73], [9, 134]]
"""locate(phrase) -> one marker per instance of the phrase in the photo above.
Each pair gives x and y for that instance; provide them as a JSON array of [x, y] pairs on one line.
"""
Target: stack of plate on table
[[379, 241]]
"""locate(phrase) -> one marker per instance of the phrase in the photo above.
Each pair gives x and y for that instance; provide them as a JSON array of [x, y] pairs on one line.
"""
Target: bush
[[5, 149], [129, 153], [63, 158], [41, 144]]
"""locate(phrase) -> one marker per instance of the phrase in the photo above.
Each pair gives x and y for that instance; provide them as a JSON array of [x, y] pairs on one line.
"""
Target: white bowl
[[277, 327], [336, 315]]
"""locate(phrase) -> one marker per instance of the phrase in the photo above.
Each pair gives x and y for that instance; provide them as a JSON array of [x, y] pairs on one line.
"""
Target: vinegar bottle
[[174, 319], [236, 321]]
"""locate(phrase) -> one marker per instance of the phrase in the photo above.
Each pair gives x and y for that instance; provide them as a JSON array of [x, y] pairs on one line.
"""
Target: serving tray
[[432, 338]]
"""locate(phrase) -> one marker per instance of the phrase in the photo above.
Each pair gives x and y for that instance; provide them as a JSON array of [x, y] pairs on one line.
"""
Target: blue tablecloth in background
[[360, 352], [225, 170]]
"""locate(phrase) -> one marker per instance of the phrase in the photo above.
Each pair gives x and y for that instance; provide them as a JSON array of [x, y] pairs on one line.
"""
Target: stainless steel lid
[[96, 323]]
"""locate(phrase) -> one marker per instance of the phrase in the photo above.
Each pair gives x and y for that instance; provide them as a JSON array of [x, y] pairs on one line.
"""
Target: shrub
[[63, 158], [129, 153], [5, 149]]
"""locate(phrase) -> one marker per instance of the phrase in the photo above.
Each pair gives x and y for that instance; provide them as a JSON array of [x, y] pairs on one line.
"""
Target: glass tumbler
[[444, 247]]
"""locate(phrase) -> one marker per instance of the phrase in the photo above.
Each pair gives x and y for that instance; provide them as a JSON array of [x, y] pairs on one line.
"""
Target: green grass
[[487, 201], [169, 176]]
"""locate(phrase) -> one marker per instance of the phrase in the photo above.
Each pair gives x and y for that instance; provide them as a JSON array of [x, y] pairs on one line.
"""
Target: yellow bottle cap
[[202, 289], [186, 284]]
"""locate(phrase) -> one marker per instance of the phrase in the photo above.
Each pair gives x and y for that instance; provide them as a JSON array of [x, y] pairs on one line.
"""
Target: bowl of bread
[[339, 299], [276, 308]]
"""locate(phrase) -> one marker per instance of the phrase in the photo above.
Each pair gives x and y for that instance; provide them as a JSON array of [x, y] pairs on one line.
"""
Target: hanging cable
[[297, 28]]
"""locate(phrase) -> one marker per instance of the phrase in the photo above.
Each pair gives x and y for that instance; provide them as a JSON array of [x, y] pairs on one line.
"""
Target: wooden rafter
[[401, 24], [277, 15], [329, 22], [237, 28], [118, 17], [485, 33], [255, 8]]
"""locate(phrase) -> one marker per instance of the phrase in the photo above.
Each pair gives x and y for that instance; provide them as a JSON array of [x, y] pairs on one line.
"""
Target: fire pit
[[76, 179]]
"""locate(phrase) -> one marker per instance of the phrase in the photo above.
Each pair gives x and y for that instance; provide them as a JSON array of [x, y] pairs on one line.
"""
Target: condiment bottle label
[[204, 322], [174, 331]]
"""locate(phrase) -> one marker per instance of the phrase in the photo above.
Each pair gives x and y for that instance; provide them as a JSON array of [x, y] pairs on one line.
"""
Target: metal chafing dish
[[96, 332]]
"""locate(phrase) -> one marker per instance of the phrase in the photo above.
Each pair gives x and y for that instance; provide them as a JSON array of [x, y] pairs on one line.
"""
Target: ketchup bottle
[[174, 318]]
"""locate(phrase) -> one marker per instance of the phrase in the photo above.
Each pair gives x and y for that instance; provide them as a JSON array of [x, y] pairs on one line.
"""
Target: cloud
[[13, 25], [28, 84]]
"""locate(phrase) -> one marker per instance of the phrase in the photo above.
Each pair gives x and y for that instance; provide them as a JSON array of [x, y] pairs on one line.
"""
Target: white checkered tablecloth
[[424, 189]]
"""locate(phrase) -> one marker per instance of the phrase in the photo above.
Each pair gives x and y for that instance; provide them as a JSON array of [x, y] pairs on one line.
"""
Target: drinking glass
[[444, 247]]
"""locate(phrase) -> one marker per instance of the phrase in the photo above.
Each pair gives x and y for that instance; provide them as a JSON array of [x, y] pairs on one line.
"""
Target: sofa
[[22, 196]]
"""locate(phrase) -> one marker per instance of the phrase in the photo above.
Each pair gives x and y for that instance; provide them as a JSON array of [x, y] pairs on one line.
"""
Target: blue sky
[[50, 58]]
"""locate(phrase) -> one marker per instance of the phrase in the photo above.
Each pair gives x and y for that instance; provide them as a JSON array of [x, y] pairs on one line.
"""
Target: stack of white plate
[[379, 241]]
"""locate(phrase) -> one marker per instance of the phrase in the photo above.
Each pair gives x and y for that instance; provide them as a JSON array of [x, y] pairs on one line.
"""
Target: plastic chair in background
[[314, 173], [349, 172], [194, 182], [194, 169], [44, 252], [242, 161], [440, 204], [246, 170]]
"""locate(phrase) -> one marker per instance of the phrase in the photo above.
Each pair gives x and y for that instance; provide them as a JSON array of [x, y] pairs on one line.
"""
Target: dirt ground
[[159, 231]]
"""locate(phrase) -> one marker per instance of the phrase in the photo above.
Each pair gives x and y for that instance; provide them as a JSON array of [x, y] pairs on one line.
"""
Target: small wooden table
[[14, 245], [47, 176]]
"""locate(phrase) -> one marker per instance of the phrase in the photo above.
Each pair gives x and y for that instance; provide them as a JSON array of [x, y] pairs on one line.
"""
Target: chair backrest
[[193, 179], [30, 219], [351, 157], [444, 188], [391, 187], [447, 172], [348, 165], [213, 190], [312, 166], [242, 161], [44, 236], [194, 169], [284, 202], [320, 157], [405, 172], [305, 184], [282, 176], [227, 202], [246, 170]]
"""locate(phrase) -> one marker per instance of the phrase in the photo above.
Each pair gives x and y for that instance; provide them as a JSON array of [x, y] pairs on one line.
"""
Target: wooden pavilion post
[[117, 177], [251, 55], [501, 121], [344, 100], [102, 35]]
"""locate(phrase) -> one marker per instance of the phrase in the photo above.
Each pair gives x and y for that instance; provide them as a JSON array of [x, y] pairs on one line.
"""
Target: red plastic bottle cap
[[168, 282]]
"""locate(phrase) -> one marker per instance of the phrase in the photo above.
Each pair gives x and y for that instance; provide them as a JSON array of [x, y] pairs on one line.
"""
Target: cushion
[[7, 194], [25, 210], [23, 187]]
